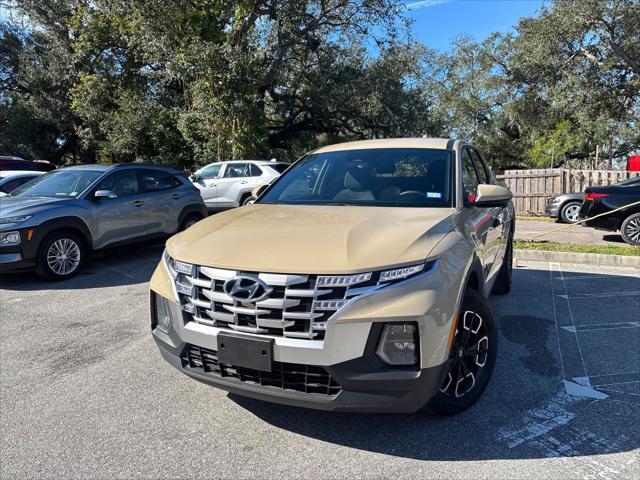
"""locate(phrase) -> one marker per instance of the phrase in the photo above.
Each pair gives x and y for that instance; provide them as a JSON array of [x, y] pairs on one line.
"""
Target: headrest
[[357, 178]]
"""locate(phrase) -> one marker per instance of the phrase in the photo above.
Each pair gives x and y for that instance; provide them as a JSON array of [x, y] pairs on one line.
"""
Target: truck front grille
[[285, 376], [288, 311]]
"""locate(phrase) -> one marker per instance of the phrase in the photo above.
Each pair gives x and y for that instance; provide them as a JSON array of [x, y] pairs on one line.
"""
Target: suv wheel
[[502, 284], [60, 256], [630, 229], [569, 212], [471, 360], [245, 199], [189, 221]]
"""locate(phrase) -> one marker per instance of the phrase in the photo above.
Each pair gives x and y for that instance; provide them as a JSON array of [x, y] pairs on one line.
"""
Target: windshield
[[407, 177], [59, 183]]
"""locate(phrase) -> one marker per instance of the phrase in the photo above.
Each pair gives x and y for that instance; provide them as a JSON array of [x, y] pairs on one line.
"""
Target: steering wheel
[[412, 192]]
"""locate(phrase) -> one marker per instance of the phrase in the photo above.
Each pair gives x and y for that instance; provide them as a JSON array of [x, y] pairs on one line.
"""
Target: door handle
[[138, 203], [175, 195], [244, 182]]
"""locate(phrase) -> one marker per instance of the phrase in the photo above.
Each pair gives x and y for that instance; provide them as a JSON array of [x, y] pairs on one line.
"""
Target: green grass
[[571, 247]]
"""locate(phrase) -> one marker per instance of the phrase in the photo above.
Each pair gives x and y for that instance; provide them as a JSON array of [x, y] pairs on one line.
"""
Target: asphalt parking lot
[[84, 392]]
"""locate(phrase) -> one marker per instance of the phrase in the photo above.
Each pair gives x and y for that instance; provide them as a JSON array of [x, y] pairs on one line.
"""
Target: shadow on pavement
[[525, 412], [614, 238], [128, 265]]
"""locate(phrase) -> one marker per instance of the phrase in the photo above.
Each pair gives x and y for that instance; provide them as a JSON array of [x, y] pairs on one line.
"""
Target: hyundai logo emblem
[[246, 288]]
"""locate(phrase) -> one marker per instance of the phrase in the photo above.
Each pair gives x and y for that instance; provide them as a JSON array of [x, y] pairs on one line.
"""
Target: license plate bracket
[[254, 353]]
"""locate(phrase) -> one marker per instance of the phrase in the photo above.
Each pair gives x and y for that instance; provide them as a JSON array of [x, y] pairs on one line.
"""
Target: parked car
[[53, 222], [17, 163], [12, 179], [565, 207], [226, 185], [359, 280], [599, 200]]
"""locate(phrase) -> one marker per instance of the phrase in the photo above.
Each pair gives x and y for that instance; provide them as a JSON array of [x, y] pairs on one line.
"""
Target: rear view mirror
[[104, 194], [492, 196]]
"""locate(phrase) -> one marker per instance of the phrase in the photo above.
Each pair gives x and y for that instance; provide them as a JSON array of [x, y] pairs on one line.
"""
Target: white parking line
[[602, 295]]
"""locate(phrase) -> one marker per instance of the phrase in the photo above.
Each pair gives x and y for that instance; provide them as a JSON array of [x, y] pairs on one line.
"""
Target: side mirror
[[104, 194], [195, 177], [492, 196], [259, 190]]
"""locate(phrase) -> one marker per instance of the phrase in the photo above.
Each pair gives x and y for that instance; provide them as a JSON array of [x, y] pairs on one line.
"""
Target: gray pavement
[[84, 393], [525, 229]]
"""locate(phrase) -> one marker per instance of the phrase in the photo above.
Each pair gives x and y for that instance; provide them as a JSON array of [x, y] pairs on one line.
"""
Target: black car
[[565, 207], [599, 200]]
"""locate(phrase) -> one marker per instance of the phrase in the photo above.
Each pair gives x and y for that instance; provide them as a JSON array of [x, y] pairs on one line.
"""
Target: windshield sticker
[[434, 195]]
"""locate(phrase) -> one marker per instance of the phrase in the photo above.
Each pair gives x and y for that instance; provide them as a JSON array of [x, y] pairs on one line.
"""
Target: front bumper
[[347, 352], [362, 385], [22, 256], [552, 209]]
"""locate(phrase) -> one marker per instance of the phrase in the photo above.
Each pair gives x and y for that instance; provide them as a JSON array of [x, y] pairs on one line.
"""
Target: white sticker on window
[[434, 195]]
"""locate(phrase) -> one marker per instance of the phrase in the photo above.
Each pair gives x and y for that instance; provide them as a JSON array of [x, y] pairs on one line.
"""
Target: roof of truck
[[436, 143]]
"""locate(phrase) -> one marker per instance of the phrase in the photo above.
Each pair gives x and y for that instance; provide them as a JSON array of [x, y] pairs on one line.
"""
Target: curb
[[594, 259]]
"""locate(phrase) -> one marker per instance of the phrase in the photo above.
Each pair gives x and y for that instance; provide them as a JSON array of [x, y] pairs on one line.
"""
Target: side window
[[480, 167], [210, 172], [469, 177], [157, 180], [236, 170], [255, 170], [122, 183]]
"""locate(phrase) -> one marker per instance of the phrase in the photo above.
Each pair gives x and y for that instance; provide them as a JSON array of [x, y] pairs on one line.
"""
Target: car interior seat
[[357, 185]]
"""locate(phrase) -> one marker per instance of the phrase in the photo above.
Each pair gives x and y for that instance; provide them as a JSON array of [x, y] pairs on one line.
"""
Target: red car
[[17, 163]]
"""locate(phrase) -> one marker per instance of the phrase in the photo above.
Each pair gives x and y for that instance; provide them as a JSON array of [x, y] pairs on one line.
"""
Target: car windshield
[[403, 177], [59, 183]]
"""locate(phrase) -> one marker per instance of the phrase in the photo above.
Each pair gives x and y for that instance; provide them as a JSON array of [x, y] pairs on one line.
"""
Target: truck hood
[[313, 239], [14, 206]]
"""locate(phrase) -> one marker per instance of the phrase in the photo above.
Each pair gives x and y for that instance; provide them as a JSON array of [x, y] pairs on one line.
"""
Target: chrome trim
[[292, 310]]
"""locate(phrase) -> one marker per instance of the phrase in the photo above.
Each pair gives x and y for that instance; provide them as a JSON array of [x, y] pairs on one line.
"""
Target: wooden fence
[[532, 188]]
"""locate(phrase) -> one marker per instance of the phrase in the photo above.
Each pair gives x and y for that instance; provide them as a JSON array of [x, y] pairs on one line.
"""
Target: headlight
[[404, 272], [398, 344], [10, 238], [175, 267], [18, 219]]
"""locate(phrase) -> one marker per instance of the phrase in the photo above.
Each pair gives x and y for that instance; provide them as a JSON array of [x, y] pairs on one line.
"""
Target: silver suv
[[229, 184], [52, 222]]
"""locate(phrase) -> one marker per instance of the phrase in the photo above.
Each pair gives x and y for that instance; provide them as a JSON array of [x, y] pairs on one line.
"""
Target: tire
[[630, 229], [569, 212], [245, 199], [189, 220], [60, 256], [468, 374], [502, 284]]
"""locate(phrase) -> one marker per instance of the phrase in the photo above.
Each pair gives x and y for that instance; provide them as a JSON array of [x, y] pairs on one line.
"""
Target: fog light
[[163, 317], [398, 344], [10, 238]]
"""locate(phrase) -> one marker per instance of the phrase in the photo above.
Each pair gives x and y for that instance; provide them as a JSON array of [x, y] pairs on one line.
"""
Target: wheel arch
[[71, 224], [189, 209], [474, 276]]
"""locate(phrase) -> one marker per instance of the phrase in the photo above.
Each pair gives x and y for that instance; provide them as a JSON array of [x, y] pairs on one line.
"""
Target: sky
[[437, 22]]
